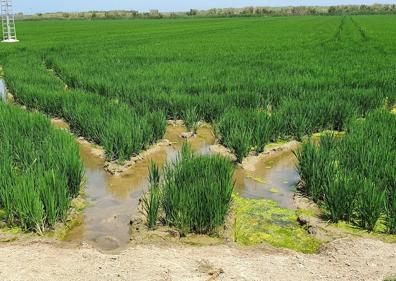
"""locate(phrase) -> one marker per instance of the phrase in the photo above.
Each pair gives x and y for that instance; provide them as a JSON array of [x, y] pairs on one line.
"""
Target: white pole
[[9, 31], [8, 21]]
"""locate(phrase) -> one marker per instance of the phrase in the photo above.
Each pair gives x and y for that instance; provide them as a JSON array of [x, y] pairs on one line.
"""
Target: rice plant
[[339, 195], [196, 192], [258, 79], [371, 201], [355, 176], [316, 166], [41, 170], [121, 102], [191, 119], [152, 199]]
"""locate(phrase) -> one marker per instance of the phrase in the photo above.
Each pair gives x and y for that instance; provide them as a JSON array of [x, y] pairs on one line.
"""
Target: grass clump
[[152, 199], [40, 170], [191, 119], [354, 177], [243, 130], [195, 192], [121, 130]]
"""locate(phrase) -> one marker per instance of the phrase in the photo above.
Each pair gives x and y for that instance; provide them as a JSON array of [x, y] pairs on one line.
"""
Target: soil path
[[345, 259]]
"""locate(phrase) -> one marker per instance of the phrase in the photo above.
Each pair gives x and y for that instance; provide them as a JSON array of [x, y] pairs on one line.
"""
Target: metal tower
[[7, 19]]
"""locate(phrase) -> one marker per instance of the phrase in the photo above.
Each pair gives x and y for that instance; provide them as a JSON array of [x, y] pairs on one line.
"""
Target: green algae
[[263, 221], [378, 233], [257, 179], [12, 230], [5, 228], [277, 144], [393, 110], [329, 132], [308, 212]]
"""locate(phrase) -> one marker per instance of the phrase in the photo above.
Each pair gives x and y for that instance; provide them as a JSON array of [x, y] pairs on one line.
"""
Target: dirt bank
[[344, 259]]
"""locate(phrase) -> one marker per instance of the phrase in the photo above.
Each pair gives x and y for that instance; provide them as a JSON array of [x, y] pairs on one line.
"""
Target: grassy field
[[256, 79], [40, 170], [354, 177]]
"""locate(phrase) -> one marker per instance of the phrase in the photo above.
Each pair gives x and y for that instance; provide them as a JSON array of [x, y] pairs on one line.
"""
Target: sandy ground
[[345, 259]]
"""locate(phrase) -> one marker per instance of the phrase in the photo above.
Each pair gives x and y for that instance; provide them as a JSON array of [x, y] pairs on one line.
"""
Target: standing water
[[113, 200], [3, 92], [274, 177]]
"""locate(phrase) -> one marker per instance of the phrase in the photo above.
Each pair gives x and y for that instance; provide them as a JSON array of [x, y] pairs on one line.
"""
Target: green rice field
[[256, 80]]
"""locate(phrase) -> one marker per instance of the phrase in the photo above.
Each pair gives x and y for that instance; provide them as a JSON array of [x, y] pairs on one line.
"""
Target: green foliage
[[339, 194], [191, 119], [371, 204], [220, 12], [152, 199], [40, 170], [239, 142], [259, 79], [355, 176], [391, 212], [242, 130], [110, 123], [275, 80], [196, 192], [315, 166]]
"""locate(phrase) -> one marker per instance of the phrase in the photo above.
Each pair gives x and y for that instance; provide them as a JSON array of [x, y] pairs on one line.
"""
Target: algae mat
[[263, 221]]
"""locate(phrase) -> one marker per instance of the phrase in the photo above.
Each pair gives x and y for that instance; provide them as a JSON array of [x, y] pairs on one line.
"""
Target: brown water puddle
[[275, 177], [113, 200]]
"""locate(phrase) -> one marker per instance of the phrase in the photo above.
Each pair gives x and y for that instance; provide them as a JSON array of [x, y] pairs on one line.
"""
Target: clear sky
[[36, 6]]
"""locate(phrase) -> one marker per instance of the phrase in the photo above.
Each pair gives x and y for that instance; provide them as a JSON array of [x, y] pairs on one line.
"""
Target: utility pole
[[7, 19]]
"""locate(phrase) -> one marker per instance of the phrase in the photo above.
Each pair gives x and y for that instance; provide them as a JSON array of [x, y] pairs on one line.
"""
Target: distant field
[[257, 80], [312, 73]]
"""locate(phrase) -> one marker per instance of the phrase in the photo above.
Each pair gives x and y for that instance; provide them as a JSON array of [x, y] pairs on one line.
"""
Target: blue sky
[[35, 6]]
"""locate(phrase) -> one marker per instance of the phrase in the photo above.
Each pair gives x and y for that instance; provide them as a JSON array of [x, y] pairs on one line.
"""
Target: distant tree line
[[222, 12]]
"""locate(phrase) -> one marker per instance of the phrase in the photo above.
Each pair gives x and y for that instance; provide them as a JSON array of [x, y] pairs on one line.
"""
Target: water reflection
[[3, 93], [113, 200], [274, 178]]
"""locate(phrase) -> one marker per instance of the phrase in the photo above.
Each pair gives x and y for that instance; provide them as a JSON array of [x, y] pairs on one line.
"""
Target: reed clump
[[195, 193], [40, 170], [152, 199], [354, 177]]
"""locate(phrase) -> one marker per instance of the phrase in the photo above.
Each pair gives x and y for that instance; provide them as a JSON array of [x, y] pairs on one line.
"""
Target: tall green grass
[[311, 79], [40, 170], [191, 119], [120, 129], [354, 177], [257, 79], [195, 192], [152, 199]]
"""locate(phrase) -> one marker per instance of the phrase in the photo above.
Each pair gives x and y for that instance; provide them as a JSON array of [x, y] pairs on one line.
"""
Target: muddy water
[[113, 200], [3, 93], [273, 178]]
